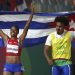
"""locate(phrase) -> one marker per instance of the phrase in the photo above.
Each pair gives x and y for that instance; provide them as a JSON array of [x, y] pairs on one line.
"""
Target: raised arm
[[3, 35], [23, 35]]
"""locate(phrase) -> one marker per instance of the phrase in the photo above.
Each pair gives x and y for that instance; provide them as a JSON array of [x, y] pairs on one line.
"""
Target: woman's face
[[13, 32]]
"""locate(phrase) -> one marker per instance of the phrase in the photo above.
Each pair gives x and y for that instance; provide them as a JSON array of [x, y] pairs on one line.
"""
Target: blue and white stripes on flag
[[41, 25]]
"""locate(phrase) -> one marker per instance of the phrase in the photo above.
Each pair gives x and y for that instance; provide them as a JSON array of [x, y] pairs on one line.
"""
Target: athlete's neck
[[13, 38]]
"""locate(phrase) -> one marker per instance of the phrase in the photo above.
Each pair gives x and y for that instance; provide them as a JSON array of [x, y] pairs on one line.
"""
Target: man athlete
[[13, 49], [59, 42]]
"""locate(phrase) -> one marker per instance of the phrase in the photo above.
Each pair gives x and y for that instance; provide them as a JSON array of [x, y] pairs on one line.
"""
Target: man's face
[[59, 28], [13, 32]]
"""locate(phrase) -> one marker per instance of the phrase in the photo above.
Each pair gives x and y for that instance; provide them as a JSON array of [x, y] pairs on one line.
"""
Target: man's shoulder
[[71, 32]]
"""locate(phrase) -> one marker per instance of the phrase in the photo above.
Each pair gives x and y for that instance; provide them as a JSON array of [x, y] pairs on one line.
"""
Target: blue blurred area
[[1, 43], [73, 43]]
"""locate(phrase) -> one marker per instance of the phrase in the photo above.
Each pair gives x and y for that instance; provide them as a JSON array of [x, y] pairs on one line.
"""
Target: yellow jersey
[[61, 47]]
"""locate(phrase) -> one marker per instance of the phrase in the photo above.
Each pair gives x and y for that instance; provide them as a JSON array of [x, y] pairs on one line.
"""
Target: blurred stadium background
[[40, 5]]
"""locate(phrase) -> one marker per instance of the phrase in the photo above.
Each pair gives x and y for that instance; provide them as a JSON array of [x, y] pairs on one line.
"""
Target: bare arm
[[3, 35], [46, 54], [23, 35]]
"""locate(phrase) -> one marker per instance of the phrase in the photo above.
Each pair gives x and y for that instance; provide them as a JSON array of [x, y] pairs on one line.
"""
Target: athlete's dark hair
[[16, 27], [62, 19]]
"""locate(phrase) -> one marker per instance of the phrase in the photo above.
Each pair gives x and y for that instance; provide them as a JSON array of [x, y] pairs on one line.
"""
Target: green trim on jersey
[[61, 62]]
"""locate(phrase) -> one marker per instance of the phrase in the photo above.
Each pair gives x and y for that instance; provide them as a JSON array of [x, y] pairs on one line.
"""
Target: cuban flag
[[41, 26]]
